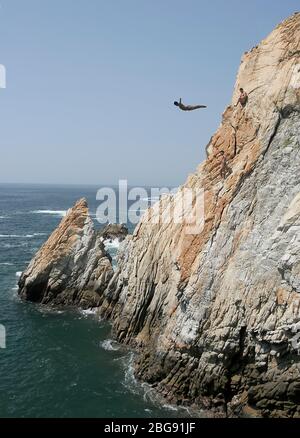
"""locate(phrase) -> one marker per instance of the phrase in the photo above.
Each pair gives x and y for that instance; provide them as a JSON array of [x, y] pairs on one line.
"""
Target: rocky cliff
[[215, 316], [72, 267]]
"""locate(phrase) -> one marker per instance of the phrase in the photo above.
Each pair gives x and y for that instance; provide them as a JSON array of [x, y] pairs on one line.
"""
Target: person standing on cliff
[[188, 107], [243, 99]]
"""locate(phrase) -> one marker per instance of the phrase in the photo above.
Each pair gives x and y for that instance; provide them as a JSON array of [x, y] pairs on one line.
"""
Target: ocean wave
[[88, 312], [8, 246], [11, 236], [109, 345], [6, 264], [130, 380], [14, 245], [50, 310], [21, 236], [60, 213]]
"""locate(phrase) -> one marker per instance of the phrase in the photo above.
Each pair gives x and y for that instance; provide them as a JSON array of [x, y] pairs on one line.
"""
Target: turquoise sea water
[[58, 363]]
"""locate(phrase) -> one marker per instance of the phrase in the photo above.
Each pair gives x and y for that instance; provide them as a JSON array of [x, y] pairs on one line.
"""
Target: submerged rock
[[215, 315], [72, 267]]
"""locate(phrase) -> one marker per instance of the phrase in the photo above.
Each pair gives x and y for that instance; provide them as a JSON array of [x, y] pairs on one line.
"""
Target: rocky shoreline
[[214, 317]]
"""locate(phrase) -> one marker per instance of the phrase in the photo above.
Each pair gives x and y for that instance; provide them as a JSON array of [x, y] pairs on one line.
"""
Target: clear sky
[[91, 84]]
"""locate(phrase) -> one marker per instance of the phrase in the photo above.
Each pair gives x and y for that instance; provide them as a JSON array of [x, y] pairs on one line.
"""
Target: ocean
[[59, 363]]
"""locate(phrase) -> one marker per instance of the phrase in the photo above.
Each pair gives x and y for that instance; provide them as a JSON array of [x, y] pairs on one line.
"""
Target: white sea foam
[[130, 380], [14, 293], [6, 264], [109, 345], [60, 213], [112, 244], [21, 236], [18, 274], [45, 311], [88, 312], [10, 236], [170, 407], [145, 390]]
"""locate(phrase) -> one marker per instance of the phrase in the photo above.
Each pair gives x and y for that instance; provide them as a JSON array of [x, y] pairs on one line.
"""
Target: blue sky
[[91, 84]]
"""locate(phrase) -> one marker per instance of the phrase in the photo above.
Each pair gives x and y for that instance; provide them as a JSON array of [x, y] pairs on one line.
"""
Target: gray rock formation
[[72, 267], [215, 316], [114, 231]]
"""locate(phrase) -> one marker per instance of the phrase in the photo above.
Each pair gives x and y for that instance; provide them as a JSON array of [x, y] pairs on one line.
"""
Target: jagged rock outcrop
[[114, 231], [72, 267], [215, 316]]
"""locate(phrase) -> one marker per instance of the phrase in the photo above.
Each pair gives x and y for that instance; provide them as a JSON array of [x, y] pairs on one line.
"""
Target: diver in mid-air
[[188, 107]]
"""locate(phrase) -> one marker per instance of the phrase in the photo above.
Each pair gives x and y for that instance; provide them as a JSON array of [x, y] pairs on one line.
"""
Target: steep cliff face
[[215, 315], [72, 267]]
